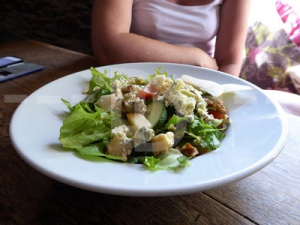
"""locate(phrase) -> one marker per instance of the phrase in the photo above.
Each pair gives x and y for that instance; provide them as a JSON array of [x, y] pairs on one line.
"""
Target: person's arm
[[231, 35], [113, 43]]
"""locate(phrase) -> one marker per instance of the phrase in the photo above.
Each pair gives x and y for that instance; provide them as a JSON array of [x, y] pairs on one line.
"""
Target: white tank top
[[181, 25]]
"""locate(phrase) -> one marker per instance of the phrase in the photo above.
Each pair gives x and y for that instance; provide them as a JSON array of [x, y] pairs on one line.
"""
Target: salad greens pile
[[159, 121]]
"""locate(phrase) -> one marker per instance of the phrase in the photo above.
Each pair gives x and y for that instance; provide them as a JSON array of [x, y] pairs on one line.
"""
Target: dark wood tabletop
[[270, 196]]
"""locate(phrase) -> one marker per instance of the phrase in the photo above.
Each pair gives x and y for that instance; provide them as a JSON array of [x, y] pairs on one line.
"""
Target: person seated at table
[[205, 33]]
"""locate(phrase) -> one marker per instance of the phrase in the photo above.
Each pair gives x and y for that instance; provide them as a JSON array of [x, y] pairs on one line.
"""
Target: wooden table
[[270, 196]]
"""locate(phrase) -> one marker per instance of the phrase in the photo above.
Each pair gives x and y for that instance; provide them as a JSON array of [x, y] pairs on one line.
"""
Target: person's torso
[[177, 24]]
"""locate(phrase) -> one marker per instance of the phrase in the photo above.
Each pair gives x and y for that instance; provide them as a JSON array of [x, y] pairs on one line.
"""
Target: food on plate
[[159, 121]]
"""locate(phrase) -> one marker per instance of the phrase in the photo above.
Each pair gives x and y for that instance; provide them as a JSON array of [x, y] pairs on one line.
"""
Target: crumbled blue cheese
[[190, 118], [119, 83], [184, 104], [120, 144], [201, 110], [122, 128], [142, 136], [161, 83], [133, 104]]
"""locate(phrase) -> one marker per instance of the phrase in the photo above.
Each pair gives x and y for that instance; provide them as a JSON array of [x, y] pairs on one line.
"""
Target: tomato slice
[[216, 114], [148, 92]]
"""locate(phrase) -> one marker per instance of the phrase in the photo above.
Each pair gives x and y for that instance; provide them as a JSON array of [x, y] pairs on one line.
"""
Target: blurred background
[[271, 54], [64, 23]]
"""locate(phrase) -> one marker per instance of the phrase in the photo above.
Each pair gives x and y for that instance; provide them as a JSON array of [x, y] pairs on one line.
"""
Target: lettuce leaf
[[207, 136], [97, 149], [100, 80], [104, 82], [173, 159], [82, 128]]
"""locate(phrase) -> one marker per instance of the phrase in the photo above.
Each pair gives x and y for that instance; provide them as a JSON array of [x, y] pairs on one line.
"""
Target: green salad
[[160, 122]]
